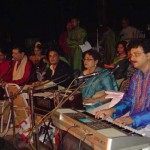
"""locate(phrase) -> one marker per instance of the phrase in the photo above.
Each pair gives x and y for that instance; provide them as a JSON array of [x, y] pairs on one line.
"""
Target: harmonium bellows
[[45, 100]]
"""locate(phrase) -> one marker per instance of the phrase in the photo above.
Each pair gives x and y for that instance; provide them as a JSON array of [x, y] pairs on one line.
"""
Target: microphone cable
[[63, 101], [48, 115]]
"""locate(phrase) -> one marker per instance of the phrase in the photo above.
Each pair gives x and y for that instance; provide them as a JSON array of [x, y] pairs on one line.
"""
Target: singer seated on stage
[[136, 99], [59, 71], [120, 63], [103, 81], [21, 66]]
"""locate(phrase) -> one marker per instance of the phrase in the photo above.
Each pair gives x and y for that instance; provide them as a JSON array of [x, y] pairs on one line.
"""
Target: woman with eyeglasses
[[101, 82]]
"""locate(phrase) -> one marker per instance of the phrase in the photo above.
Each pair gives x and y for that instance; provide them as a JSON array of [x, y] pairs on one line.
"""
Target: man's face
[[138, 58], [53, 58], [74, 23], [17, 56]]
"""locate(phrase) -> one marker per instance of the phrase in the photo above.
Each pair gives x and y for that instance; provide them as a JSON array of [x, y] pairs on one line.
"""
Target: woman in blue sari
[[103, 81]]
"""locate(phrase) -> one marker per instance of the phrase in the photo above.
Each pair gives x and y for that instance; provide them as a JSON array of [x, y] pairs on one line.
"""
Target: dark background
[[46, 19]]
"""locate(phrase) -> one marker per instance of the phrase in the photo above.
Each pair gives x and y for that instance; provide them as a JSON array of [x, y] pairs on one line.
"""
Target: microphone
[[97, 73], [113, 70], [88, 75], [91, 75]]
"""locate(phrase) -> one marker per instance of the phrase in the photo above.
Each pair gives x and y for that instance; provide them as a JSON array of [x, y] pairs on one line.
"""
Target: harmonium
[[47, 100]]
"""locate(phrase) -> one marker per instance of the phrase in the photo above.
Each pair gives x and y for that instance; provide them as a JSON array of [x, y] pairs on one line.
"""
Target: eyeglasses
[[135, 55], [87, 59]]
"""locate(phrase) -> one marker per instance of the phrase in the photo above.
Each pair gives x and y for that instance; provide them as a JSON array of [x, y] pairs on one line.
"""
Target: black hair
[[94, 54], [20, 48], [144, 43], [124, 44], [55, 49]]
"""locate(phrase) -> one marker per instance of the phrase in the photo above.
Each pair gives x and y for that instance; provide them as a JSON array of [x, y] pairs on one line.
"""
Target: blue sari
[[104, 81]]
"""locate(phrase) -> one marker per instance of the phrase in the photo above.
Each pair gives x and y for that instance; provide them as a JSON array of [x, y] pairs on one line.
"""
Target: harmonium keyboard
[[100, 134]]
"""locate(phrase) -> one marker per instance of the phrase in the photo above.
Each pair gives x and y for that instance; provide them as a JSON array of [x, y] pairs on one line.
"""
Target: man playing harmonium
[[59, 71]]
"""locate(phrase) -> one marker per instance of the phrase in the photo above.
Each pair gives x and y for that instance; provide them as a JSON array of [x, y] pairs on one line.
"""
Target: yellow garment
[[19, 72]]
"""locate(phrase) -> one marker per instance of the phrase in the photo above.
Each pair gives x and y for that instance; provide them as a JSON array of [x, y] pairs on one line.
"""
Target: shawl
[[18, 72]]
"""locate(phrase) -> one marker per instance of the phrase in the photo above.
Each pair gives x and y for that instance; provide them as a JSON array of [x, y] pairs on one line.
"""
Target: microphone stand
[[12, 116], [12, 97], [64, 100], [34, 126], [61, 103], [48, 116]]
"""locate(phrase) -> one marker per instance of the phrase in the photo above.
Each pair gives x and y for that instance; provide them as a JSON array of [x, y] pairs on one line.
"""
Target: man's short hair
[[20, 48], [144, 43], [55, 49]]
